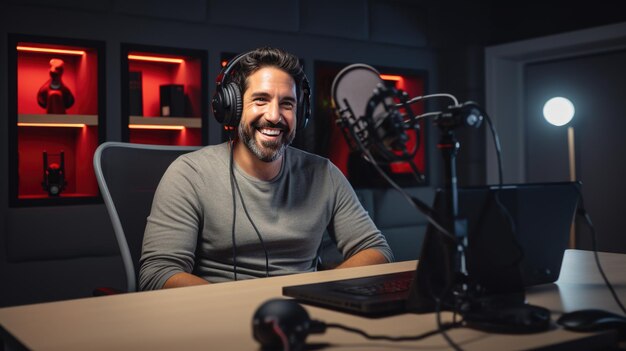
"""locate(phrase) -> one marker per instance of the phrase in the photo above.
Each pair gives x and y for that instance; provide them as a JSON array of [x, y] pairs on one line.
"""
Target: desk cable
[[441, 328], [583, 212], [283, 324]]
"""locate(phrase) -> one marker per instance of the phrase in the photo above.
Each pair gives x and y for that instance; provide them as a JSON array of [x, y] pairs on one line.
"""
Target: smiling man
[[267, 124], [255, 206]]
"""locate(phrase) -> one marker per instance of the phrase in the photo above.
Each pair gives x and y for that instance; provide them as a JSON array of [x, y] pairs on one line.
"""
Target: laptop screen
[[538, 215], [517, 235]]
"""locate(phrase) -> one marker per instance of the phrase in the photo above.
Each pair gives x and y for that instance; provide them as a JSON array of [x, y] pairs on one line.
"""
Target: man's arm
[[171, 233], [353, 230], [179, 280], [364, 258]]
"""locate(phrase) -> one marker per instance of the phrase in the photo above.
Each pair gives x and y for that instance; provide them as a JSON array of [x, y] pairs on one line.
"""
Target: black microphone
[[280, 324], [369, 116], [386, 121]]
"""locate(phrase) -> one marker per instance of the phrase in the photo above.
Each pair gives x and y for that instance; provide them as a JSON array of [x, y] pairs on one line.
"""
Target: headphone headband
[[221, 78]]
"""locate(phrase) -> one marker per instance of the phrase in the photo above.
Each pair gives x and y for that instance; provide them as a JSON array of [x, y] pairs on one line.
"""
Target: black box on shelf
[[135, 94], [172, 100]]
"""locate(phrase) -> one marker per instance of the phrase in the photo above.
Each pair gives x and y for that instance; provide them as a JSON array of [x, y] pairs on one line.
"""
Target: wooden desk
[[218, 317]]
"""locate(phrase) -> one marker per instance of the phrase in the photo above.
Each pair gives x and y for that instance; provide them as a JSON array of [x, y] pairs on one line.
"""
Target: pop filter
[[353, 86], [351, 90]]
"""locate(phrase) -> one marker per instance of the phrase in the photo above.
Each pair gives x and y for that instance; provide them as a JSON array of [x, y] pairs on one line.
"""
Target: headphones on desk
[[227, 103]]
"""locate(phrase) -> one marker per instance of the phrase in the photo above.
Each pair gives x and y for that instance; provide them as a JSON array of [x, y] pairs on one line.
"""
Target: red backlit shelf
[[183, 122], [56, 120], [52, 138], [164, 95]]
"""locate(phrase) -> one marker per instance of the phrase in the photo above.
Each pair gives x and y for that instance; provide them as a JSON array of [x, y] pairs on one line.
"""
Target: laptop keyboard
[[388, 287]]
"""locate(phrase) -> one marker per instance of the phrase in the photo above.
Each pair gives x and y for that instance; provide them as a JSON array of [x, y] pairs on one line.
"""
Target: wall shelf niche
[[56, 119], [164, 95]]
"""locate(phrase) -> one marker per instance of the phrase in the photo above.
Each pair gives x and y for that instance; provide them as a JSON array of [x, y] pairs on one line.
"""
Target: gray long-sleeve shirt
[[190, 225]]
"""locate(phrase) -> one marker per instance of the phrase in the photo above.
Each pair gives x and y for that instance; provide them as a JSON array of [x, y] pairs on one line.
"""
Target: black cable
[[503, 209], [496, 142], [412, 201], [420, 206], [440, 326], [419, 177], [583, 212], [423, 97], [232, 191], [245, 209], [425, 335]]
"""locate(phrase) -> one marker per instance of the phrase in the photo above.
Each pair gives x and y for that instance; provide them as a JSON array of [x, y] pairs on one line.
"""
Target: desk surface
[[218, 316]]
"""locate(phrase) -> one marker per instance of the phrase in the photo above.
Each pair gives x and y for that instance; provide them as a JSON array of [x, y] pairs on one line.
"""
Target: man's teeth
[[271, 132]]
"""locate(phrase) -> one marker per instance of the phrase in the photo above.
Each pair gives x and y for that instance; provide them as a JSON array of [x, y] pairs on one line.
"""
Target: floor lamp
[[559, 111]]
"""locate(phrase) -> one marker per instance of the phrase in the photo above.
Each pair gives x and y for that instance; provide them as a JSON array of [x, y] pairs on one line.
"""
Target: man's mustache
[[266, 124]]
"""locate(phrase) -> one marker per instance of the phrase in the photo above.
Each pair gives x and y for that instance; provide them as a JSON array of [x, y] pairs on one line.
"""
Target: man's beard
[[266, 151]]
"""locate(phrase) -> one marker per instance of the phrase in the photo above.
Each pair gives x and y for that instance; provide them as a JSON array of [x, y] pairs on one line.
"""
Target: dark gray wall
[[596, 86], [51, 253]]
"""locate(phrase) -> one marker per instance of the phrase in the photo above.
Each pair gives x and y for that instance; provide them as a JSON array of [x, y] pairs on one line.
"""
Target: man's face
[[269, 113]]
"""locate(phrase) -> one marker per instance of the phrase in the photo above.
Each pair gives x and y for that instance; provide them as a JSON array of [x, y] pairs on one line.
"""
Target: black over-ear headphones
[[227, 103]]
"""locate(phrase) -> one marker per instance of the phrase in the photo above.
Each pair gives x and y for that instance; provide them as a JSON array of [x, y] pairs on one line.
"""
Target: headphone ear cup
[[304, 107], [235, 103], [228, 105], [217, 104], [303, 115]]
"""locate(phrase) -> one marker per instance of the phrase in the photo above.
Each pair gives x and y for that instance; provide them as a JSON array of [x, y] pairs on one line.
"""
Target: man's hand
[[183, 279], [364, 258]]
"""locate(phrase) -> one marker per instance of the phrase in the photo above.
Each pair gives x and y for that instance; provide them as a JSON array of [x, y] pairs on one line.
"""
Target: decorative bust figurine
[[54, 96]]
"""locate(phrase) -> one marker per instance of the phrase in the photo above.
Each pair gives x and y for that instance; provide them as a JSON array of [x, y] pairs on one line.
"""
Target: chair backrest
[[128, 175]]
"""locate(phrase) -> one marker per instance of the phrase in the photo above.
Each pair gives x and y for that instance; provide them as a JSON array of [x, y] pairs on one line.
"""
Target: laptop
[[517, 235]]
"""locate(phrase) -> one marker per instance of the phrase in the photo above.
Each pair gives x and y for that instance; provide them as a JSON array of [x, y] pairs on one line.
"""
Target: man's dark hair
[[267, 57]]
